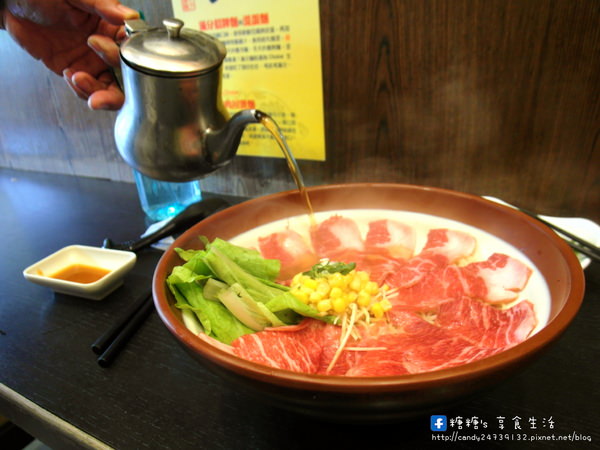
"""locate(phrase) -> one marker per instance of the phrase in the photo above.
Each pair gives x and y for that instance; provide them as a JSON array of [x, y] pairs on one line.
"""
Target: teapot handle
[[135, 26], [132, 26]]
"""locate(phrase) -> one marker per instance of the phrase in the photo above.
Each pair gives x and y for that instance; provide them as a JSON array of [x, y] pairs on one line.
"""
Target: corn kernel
[[300, 295], [351, 297], [348, 278], [339, 305], [364, 276], [336, 280], [304, 289], [323, 288], [355, 284], [377, 310], [324, 305], [371, 287], [315, 297], [310, 283], [335, 292], [363, 299]]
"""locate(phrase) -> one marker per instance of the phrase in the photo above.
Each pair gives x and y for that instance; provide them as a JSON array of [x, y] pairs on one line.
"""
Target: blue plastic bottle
[[161, 199]]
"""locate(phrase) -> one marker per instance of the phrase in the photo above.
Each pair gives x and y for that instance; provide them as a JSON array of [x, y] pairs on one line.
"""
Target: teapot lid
[[170, 51]]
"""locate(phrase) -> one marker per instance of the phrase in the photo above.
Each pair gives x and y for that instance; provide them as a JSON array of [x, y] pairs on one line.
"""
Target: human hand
[[75, 39]]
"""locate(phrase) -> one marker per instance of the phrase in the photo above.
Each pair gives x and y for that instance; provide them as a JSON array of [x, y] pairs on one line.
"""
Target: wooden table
[[155, 396]]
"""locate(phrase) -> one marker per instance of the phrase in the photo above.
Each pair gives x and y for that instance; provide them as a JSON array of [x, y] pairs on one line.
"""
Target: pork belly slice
[[453, 245], [390, 238], [443, 247], [500, 278], [336, 235], [291, 249]]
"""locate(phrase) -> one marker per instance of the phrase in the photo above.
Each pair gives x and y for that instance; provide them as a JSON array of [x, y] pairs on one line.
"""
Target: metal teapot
[[173, 125]]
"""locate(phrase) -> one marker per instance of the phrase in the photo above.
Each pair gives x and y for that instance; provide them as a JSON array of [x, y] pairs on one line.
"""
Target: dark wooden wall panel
[[490, 97], [493, 97]]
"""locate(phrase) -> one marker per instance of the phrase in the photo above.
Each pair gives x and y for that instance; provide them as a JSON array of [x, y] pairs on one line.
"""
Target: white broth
[[536, 291]]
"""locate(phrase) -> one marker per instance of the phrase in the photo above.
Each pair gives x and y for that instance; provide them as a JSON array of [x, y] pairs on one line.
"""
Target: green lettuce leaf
[[215, 318], [232, 291], [248, 259], [228, 271]]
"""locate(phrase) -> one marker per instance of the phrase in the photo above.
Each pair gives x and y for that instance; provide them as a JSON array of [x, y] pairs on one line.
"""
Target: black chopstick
[[576, 243], [581, 249], [114, 339], [106, 358]]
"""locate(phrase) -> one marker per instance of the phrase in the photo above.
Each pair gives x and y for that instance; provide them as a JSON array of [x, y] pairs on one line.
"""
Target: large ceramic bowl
[[382, 398]]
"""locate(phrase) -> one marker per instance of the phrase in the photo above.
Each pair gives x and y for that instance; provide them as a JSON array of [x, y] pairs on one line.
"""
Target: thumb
[[110, 10]]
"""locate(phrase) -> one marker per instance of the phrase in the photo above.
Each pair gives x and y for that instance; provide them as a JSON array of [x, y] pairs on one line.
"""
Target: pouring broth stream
[[275, 131]]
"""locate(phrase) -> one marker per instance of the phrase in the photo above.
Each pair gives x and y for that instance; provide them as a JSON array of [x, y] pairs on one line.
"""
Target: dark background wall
[[493, 97]]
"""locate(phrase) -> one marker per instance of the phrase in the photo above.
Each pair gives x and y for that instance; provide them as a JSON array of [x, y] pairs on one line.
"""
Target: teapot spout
[[222, 144]]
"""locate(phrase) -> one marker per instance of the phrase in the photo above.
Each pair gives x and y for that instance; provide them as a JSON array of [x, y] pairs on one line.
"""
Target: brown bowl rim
[[503, 360]]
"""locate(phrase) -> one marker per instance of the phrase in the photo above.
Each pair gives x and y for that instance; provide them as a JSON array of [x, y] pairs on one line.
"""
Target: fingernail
[[89, 103], [96, 105], [94, 43], [97, 102], [84, 85]]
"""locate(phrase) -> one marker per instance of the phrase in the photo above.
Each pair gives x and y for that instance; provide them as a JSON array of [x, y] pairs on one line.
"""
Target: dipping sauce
[[80, 273]]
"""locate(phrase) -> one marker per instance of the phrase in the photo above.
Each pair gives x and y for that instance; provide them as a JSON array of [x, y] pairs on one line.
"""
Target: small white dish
[[116, 262]]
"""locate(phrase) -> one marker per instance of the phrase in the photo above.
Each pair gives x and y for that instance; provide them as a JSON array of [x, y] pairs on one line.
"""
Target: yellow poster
[[273, 64]]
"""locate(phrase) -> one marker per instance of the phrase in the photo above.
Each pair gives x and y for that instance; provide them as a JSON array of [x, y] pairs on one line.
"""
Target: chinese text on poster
[[273, 64]]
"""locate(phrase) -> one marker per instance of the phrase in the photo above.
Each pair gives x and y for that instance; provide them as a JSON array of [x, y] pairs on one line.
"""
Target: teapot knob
[[173, 26]]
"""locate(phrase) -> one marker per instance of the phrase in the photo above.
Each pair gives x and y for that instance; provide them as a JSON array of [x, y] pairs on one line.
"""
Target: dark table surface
[[155, 396]]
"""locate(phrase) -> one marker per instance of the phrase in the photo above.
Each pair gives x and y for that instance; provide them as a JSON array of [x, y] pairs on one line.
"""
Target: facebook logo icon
[[439, 423]]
